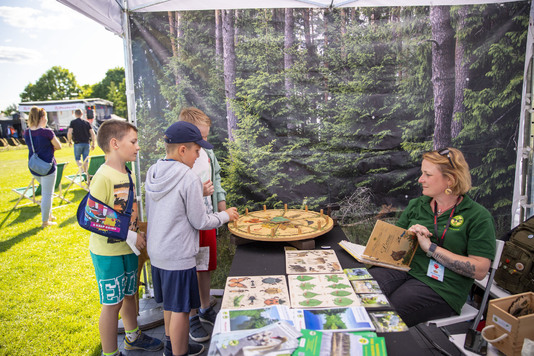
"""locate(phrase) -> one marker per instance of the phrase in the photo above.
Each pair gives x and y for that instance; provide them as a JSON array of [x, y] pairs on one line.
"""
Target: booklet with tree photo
[[388, 246]]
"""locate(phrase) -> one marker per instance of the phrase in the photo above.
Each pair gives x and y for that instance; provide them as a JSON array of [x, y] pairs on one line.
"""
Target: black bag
[[516, 268], [95, 216], [35, 163]]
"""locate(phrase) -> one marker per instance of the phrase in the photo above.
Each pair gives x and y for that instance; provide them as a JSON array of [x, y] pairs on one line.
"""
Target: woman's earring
[[448, 191]]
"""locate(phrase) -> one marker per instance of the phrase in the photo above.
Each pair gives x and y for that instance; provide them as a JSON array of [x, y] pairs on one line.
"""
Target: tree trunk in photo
[[236, 27], [462, 76], [307, 32], [173, 33], [218, 35], [289, 41], [325, 60], [229, 68], [343, 25], [442, 73]]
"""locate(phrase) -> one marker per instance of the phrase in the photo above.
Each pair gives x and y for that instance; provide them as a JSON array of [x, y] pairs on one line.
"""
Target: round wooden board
[[281, 225]]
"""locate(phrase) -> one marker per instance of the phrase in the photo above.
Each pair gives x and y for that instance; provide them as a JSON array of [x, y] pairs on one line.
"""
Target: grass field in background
[[49, 296]]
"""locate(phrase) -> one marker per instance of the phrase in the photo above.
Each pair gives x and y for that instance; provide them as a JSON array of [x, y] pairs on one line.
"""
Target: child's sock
[[114, 353], [203, 310], [133, 334]]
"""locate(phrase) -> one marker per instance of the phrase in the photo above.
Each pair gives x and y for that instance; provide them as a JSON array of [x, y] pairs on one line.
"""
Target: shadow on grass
[[6, 245], [25, 213], [69, 221]]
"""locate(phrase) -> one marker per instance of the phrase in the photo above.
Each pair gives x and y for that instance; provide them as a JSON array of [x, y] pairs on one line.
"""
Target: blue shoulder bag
[[95, 216]]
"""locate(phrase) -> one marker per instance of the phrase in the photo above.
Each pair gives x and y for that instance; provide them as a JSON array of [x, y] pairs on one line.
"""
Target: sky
[[39, 34]]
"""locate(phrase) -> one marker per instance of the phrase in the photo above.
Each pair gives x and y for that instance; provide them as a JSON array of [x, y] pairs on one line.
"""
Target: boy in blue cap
[[175, 212]]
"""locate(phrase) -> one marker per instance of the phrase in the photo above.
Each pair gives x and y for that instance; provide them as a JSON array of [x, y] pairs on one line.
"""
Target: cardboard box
[[499, 322]]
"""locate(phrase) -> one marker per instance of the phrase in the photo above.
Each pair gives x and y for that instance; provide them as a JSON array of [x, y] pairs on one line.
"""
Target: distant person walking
[[44, 142], [83, 135]]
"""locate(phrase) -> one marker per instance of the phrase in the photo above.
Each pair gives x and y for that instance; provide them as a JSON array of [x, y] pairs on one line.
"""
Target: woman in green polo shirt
[[456, 238]]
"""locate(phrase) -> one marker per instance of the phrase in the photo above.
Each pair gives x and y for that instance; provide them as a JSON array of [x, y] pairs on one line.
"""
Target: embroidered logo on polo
[[457, 221]]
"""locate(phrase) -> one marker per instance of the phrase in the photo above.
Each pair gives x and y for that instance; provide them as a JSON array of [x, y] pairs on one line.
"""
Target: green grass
[[49, 299]]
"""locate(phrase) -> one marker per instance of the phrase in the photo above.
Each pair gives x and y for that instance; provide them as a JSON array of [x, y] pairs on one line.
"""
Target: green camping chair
[[82, 179], [31, 192]]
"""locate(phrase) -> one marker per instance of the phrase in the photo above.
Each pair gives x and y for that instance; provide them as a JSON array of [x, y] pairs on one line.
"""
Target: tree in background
[[112, 88], [56, 84], [10, 109]]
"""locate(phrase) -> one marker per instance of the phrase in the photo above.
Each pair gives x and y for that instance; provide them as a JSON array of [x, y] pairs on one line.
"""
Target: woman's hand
[[423, 236], [470, 266]]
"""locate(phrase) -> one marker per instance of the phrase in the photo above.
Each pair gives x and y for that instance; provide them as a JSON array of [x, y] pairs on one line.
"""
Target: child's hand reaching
[[207, 188], [232, 213], [141, 240]]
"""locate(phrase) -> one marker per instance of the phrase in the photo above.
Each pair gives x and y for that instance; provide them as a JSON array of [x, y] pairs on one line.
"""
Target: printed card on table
[[367, 286], [255, 292], [373, 300], [312, 261], [388, 321], [321, 291], [356, 274]]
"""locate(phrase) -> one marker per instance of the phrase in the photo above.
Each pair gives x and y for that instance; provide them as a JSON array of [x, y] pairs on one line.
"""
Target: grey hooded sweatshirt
[[175, 212]]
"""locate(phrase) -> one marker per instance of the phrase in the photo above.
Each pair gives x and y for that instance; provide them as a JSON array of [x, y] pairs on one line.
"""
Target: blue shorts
[[81, 150], [116, 277], [178, 290]]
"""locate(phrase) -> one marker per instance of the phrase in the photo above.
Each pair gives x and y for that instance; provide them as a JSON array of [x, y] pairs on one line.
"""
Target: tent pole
[[522, 202], [150, 314]]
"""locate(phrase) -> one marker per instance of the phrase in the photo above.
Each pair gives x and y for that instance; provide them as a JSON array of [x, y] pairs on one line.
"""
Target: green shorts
[[116, 277]]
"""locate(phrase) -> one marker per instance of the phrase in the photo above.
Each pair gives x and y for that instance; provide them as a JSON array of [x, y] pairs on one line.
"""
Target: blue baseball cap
[[182, 132]]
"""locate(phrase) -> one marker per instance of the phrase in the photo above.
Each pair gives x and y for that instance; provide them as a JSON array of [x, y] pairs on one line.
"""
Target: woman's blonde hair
[[35, 116], [452, 164]]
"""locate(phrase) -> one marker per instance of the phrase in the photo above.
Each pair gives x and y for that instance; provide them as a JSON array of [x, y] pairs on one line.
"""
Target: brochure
[[317, 343], [279, 338], [249, 319], [337, 319]]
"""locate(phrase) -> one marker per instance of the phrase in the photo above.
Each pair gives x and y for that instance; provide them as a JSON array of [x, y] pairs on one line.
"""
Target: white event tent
[[113, 15]]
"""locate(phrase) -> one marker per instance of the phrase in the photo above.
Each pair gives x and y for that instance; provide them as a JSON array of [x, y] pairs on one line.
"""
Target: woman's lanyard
[[440, 241]]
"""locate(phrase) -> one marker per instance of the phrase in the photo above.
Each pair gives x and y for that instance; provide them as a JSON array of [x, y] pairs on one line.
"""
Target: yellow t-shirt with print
[[111, 187]]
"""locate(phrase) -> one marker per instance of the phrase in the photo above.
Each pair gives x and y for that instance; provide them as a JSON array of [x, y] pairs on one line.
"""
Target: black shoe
[[196, 330], [195, 349]]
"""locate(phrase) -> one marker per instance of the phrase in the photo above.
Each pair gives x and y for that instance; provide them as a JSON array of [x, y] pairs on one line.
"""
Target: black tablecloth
[[259, 258]]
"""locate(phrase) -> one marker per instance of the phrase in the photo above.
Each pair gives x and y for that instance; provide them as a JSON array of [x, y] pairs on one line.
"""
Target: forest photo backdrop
[[314, 105]]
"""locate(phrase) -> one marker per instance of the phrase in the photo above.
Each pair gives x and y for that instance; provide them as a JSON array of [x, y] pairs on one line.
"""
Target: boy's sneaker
[[143, 342], [195, 349], [196, 330], [208, 316], [167, 351]]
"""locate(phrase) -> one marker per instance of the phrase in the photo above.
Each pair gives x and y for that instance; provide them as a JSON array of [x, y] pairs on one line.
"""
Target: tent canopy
[[109, 12]]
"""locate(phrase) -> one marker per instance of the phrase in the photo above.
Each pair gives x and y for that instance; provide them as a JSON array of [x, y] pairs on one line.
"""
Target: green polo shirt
[[471, 232]]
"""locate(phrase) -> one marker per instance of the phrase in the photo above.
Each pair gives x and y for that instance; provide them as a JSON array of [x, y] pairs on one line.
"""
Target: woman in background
[[456, 239], [45, 143]]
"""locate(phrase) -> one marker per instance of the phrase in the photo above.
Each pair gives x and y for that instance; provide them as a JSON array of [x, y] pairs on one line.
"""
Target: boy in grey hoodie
[[175, 212]]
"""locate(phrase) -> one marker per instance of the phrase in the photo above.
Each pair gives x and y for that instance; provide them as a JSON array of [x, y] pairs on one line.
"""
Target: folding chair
[[469, 312], [31, 192], [84, 179], [80, 178]]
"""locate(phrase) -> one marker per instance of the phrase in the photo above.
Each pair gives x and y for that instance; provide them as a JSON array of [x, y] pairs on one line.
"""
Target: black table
[[259, 258]]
